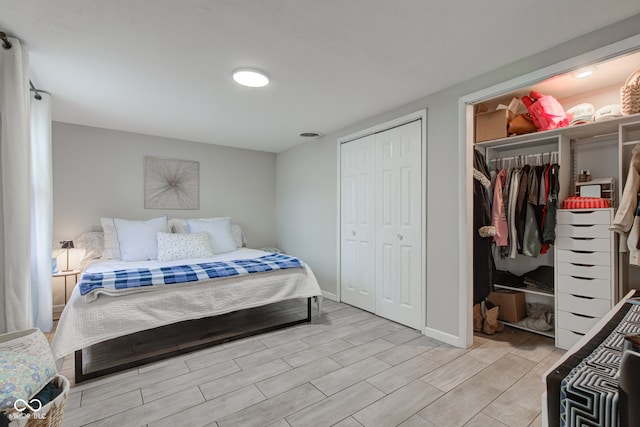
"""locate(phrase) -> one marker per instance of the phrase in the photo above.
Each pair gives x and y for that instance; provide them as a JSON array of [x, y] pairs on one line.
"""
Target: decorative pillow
[[111, 245], [92, 242], [219, 233], [22, 376], [138, 239], [173, 246]]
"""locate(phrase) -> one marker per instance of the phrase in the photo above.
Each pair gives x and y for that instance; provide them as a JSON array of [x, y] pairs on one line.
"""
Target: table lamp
[[66, 245]]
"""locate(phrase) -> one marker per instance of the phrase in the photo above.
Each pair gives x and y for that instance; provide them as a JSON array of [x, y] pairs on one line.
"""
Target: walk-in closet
[[544, 203]]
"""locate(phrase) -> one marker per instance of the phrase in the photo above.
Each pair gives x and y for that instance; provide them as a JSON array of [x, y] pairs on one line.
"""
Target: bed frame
[[80, 376]]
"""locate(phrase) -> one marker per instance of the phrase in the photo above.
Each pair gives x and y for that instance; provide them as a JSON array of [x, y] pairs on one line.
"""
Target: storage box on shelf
[[511, 303], [491, 124], [585, 272]]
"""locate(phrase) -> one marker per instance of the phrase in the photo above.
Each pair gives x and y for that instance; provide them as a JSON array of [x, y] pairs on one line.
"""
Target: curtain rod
[[34, 90], [5, 41]]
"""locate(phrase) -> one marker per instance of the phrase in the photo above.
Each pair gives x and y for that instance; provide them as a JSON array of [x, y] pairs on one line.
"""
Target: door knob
[[353, 233], [399, 236]]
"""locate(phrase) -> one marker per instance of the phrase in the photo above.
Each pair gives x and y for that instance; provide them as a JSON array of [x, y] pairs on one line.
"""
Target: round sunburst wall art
[[171, 184]]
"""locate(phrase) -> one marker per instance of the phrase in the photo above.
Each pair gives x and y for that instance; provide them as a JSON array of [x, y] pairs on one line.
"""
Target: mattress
[[84, 323]]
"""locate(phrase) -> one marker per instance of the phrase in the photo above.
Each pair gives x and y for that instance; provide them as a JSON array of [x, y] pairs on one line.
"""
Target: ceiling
[[162, 67]]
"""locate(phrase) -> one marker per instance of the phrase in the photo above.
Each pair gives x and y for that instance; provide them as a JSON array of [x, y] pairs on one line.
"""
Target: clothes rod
[[524, 157], [5, 41]]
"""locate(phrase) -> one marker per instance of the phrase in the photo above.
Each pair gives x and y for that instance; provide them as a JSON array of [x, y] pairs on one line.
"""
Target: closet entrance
[[381, 223], [588, 272]]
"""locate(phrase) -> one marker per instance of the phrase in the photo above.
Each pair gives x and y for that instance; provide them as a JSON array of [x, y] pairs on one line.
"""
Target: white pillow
[[138, 239], [111, 245], [92, 243], [173, 246], [238, 236], [179, 225], [219, 233]]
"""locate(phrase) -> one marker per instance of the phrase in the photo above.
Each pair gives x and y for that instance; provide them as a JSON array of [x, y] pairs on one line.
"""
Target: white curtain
[[23, 296], [41, 211]]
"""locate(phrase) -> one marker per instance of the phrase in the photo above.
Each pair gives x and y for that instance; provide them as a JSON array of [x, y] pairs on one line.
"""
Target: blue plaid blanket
[[142, 277]]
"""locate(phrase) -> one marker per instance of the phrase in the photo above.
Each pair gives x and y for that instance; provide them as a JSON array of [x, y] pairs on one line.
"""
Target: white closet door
[[357, 228], [399, 224]]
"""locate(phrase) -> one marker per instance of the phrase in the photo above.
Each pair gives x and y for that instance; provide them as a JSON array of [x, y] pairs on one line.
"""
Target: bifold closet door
[[357, 223], [399, 224]]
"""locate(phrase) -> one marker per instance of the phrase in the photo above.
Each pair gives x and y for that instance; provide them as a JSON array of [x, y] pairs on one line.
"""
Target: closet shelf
[[550, 334], [631, 142], [571, 132], [526, 289]]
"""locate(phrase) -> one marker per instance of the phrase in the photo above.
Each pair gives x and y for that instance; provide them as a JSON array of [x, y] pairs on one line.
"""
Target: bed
[[583, 386], [87, 321]]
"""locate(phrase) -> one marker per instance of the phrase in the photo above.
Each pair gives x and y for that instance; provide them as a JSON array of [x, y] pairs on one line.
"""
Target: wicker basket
[[33, 342], [630, 94], [52, 413]]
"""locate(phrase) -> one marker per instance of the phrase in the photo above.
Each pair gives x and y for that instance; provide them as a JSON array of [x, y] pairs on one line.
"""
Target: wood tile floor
[[347, 368]]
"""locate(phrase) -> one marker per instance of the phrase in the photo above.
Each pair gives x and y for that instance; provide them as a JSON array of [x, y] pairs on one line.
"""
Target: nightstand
[[66, 275]]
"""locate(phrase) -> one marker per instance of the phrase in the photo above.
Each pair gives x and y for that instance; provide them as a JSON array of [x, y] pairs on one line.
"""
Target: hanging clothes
[[523, 211], [626, 222], [483, 265], [498, 215], [532, 243], [553, 188]]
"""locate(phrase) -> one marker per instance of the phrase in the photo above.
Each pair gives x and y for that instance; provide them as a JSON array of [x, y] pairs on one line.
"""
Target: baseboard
[[329, 295], [444, 337]]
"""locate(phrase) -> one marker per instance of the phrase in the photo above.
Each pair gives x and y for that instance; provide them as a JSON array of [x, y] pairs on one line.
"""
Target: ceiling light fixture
[[585, 72], [250, 77]]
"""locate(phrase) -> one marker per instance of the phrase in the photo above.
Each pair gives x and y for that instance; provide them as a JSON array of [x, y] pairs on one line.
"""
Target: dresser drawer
[[578, 304], [576, 244], [596, 216], [584, 257], [588, 271], [595, 288], [573, 230], [565, 339], [576, 323]]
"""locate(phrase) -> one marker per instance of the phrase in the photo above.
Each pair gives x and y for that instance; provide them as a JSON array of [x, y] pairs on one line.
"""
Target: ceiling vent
[[312, 134]]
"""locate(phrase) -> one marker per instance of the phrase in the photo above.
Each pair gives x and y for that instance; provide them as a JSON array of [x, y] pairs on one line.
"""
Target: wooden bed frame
[[80, 376]]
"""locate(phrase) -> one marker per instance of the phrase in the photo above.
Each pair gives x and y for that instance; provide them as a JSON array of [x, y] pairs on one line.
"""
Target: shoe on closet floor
[[491, 323], [478, 320]]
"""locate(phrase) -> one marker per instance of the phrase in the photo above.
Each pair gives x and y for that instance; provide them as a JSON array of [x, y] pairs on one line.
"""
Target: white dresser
[[585, 260]]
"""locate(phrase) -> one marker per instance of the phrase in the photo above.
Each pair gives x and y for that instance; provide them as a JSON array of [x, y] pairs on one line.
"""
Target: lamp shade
[[67, 244]]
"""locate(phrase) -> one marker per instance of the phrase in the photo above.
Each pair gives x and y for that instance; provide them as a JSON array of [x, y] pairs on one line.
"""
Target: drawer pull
[[581, 296], [582, 212], [577, 333], [583, 315], [583, 225], [582, 238], [582, 265], [582, 252], [582, 278]]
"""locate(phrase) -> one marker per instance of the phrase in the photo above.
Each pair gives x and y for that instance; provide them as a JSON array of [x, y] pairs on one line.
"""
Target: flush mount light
[[585, 72], [250, 77]]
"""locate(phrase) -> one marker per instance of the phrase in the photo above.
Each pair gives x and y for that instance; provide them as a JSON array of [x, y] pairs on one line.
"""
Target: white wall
[[99, 172], [307, 189]]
